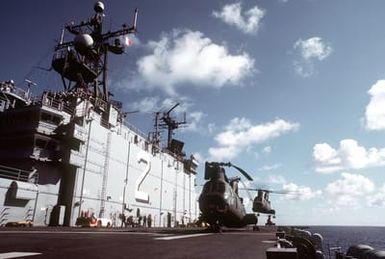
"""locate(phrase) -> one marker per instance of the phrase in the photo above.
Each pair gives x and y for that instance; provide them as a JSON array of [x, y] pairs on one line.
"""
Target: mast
[[83, 60], [166, 121]]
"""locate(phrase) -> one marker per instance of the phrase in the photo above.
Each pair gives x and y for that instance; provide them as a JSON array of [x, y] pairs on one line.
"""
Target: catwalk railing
[[18, 174]]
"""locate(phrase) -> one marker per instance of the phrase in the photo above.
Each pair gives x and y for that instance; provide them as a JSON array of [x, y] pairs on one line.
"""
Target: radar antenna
[[166, 121], [84, 59]]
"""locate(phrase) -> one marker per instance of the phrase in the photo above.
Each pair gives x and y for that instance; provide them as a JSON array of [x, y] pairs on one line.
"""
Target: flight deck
[[64, 242]]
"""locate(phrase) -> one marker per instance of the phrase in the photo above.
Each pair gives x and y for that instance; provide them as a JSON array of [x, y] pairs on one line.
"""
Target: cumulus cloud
[[157, 104], [346, 191], [378, 199], [248, 22], [375, 110], [241, 134], [195, 122], [186, 57], [310, 50], [147, 104], [302, 193], [313, 48], [348, 156]]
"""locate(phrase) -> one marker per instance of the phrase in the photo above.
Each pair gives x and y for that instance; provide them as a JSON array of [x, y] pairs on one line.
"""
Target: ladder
[[105, 177]]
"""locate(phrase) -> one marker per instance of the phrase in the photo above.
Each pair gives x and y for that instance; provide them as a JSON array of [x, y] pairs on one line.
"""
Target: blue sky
[[291, 90]]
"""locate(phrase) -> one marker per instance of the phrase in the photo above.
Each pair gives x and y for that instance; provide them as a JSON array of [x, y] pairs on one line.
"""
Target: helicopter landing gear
[[255, 227], [269, 222], [215, 228]]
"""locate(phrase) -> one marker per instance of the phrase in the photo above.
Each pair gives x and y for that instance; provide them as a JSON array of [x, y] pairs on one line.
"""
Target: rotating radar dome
[[83, 43], [99, 7]]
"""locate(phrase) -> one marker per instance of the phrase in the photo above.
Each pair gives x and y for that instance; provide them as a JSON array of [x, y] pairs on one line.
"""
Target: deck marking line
[[17, 254], [269, 242], [181, 236], [81, 232]]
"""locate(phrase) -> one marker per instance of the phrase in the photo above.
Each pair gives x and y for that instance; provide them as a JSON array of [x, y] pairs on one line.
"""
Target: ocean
[[346, 236]]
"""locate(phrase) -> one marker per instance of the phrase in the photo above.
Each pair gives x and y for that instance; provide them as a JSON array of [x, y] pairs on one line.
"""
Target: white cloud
[[276, 179], [194, 121], [223, 153], [190, 58], [346, 191], [157, 104], [147, 104], [313, 48], [248, 22], [295, 192], [267, 149], [349, 156], [240, 134], [269, 167], [310, 50], [378, 199], [326, 158], [375, 111]]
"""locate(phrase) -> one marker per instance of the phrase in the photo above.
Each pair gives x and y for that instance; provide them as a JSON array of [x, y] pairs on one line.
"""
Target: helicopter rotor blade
[[275, 191], [248, 177], [243, 172], [247, 191]]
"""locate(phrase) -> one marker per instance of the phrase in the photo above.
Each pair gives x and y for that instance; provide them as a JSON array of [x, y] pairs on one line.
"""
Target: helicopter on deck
[[219, 201], [261, 203]]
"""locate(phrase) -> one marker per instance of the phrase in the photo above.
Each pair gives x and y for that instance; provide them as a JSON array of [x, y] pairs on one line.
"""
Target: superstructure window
[[52, 145], [46, 144], [50, 118], [40, 143]]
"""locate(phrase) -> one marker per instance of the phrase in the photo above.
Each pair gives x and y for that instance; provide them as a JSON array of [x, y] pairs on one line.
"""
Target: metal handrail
[[18, 174]]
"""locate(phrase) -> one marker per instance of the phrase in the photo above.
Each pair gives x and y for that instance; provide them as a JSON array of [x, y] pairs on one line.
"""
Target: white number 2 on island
[[141, 196]]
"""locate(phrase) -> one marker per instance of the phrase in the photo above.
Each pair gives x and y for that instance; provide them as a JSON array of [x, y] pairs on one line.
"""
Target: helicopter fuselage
[[261, 203], [220, 204], [262, 207]]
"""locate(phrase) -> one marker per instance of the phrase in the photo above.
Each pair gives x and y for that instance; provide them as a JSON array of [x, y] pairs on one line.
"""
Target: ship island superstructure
[[71, 154]]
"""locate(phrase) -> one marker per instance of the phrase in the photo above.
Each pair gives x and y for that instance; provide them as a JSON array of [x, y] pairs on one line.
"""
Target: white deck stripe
[[17, 254], [181, 236], [82, 232]]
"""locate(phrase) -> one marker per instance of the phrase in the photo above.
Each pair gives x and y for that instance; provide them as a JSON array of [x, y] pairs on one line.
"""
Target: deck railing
[[19, 174]]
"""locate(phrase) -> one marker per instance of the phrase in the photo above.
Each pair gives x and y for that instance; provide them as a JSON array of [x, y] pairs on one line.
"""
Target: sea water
[[346, 236]]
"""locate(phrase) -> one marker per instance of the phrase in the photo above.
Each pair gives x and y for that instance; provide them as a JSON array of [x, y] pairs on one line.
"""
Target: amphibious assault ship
[[71, 154]]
